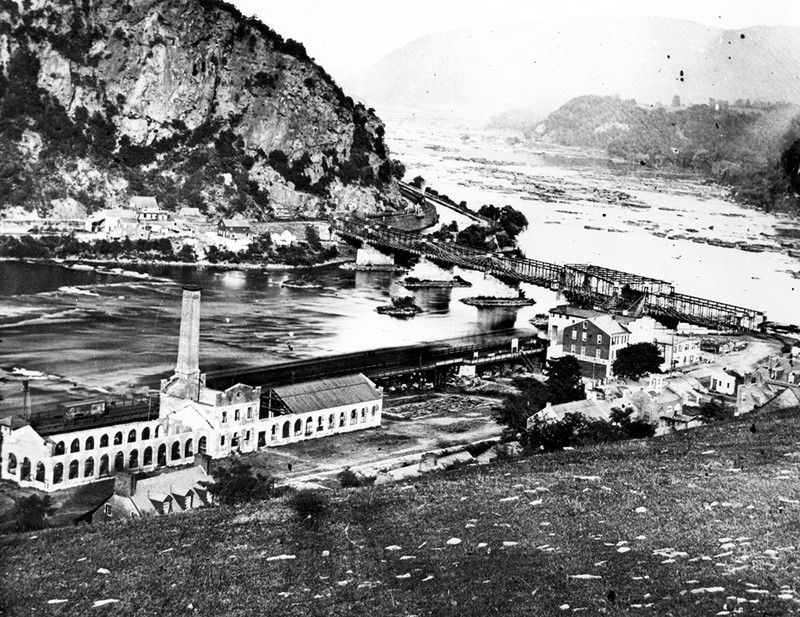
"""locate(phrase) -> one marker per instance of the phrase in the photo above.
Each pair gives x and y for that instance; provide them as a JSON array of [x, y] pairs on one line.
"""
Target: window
[[583, 336], [89, 443], [146, 432], [222, 440], [224, 416], [574, 334], [107, 509], [583, 350], [247, 436], [132, 436], [75, 446], [584, 325], [236, 415], [249, 413], [117, 439], [599, 339], [572, 348], [597, 353]]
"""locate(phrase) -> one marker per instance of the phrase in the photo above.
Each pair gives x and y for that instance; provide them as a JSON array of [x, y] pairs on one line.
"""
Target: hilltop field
[[705, 522]]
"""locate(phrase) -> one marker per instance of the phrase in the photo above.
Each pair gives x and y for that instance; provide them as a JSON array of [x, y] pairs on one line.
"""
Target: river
[[82, 334]]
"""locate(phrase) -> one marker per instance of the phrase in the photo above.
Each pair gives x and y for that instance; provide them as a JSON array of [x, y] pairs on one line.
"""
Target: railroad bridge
[[612, 290]]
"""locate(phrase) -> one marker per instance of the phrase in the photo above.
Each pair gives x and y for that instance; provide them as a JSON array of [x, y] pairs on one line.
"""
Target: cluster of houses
[[145, 219], [690, 374]]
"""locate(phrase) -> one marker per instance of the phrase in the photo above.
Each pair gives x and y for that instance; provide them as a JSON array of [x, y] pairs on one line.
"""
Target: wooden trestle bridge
[[586, 284]]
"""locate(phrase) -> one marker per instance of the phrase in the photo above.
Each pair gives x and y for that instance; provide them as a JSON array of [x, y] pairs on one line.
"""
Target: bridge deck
[[595, 283]]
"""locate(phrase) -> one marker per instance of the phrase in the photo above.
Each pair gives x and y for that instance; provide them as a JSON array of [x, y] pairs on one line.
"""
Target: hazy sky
[[347, 36]]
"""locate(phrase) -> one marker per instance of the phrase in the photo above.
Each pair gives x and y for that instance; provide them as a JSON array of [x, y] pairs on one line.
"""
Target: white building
[[88, 442]]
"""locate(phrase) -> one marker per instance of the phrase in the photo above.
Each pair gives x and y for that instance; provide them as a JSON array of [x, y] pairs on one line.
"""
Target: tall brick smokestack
[[26, 400], [188, 367]]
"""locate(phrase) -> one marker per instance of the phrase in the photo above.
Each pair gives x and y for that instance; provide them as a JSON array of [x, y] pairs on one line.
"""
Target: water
[[87, 334]]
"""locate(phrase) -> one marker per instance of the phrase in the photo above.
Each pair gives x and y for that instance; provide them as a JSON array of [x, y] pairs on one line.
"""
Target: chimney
[[26, 400], [188, 367], [124, 484]]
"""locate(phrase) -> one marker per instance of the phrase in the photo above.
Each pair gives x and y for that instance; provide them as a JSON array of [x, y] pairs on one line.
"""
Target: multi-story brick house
[[595, 342]]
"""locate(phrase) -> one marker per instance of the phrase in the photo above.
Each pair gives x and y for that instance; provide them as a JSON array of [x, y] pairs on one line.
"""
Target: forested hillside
[[753, 147], [186, 100]]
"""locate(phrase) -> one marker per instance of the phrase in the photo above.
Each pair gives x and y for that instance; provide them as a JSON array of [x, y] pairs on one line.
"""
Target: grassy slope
[[217, 560]]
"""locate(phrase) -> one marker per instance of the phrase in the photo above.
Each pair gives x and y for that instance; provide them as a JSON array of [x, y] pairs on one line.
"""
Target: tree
[[636, 360], [418, 182], [32, 512], [715, 411], [237, 483], [564, 380], [312, 237], [517, 408]]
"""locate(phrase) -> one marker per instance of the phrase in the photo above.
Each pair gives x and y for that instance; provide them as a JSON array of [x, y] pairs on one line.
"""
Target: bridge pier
[[369, 256], [426, 269]]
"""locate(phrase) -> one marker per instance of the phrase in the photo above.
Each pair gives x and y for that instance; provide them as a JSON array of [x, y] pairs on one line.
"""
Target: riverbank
[[143, 263]]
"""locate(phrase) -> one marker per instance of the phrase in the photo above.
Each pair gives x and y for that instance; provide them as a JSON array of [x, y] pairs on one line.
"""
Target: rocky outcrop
[[184, 99]]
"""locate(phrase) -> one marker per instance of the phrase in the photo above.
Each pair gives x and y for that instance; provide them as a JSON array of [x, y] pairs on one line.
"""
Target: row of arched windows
[[118, 437], [119, 462]]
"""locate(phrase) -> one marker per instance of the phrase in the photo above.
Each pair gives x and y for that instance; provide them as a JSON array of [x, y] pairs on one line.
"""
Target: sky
[[348, 36]]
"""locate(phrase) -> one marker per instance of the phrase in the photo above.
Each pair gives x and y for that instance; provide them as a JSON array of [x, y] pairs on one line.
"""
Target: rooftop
[[327, 393]]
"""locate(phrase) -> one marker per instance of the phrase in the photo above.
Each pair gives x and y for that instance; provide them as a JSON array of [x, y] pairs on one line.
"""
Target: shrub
[[350, 479], [309, 505], [32, 512], [238, 484]]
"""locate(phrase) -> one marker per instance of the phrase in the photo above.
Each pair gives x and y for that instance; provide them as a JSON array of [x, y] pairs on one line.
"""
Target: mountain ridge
[[186, 100], [523, 65]]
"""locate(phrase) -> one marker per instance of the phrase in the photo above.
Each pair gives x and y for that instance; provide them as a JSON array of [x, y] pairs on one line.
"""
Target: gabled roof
[[328, 393], [14, 422], [140, 201], [235, 223], [161, 487], [573, 311], [609, 325], [588, 408]]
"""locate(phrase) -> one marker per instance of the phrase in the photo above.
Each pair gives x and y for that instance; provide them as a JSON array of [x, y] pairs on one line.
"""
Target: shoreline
[[222, 265]]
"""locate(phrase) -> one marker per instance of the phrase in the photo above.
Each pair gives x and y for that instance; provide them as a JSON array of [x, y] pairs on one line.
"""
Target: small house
[[233, 228]]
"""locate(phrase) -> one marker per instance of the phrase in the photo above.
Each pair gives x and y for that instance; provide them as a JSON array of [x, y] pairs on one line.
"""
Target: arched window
[[273, 432], [132, 435], [341, 419], [59, 449], [88, 467], [374, 410], [157, 433], [119, 461], [118, 438], [133, 459], [104, 465], [176, 451], [320, 427], [75, 446], [285, 432], [187, 448], [147, 457], [298, 427], [161, 459], [331, 421], [25, 471], [363, 414], [12, 464], [40, 471], [353, 416], [89, 443], [74, 470], [309, 426], [201, 445], [145, 433], [104, 441], [58, 473]]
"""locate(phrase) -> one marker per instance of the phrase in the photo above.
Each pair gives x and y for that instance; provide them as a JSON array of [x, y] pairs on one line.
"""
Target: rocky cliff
[[183, 99]]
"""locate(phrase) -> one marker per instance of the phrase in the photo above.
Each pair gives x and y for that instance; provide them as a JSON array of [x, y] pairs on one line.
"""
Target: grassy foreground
[[702, 523]]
